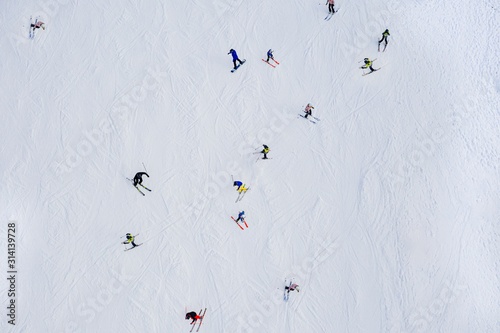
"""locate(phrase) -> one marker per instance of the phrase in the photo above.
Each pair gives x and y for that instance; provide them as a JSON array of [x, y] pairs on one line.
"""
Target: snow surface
[[386, 212]]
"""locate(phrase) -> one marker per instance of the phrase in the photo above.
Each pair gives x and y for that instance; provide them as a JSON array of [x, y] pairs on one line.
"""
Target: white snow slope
[[386, 212]]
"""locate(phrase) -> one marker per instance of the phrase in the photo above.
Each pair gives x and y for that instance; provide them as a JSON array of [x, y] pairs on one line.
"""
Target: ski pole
[[144, 167]]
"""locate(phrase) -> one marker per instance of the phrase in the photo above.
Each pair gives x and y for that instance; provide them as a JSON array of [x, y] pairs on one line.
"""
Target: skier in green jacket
[[130, 240], [368, 64], [265, 151]]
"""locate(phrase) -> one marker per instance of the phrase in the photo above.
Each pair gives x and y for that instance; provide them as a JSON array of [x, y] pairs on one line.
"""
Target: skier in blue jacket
[[270, 55], [235, 58], [241, 216]]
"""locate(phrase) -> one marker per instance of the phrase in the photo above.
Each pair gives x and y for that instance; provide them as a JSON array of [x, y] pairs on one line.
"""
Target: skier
[[292, 288], [130, 240], [368, 64], [270, 55], [192, 315], [385, 34], [138, 178], [308, 110], [265, 151], [38, 25], [241, 216], [235, 58], [241, 186], [330, 4]]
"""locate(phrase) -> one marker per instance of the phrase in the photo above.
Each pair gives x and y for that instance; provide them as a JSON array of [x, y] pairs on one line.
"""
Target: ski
[[286, 292], [329, 16], [312, 121], [241, 195], [267, 62], [201, 319], [237, 223], [32, 28], [313, 117], [31, 22], [275, 61], [235, 69], [139, 191], [137, 187], [145, 187], [364, 74], [133, 247], [385, 46], [194, 323]]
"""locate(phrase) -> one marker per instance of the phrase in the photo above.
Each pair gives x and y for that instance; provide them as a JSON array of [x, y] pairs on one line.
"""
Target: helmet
[[242, 212], [129, 234], [43, 26], [366, 59]]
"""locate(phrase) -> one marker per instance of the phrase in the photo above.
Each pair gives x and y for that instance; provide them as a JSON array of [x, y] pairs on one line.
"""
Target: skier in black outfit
[[192, 315], [331, 4], [385, 34], [138, 178]]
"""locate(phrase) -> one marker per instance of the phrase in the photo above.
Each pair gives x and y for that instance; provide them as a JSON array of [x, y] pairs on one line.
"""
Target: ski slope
[[385, 211]]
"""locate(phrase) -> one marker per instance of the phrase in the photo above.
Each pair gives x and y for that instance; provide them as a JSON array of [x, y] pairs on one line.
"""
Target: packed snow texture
[[386, 212]]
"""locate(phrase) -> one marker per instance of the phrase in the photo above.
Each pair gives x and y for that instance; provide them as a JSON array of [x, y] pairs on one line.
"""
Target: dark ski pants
[[331, 9], [384, 38], [234, 62], [371, 68]]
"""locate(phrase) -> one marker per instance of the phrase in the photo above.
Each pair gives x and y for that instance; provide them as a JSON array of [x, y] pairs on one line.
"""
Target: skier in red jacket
[[38, 25], [292, 288]]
